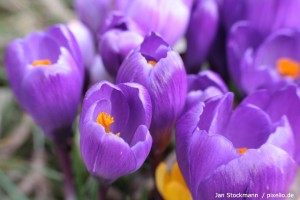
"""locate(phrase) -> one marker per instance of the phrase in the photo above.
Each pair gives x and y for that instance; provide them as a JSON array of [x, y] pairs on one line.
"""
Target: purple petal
[[114, 47], [65, 38], [248, 127], [282, 102], [242, 38], [268, 170], [201, 33], [85, 41], [206, 153], [169, 18], [216, 114], [185, 127], [154, 47], [141, 145], [205, 79], [283, 137]]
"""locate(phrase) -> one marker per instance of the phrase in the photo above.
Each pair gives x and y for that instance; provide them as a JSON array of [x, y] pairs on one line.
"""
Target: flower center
[[106, 120], [289, 68], [44, 62], [241, 150], [152, 63]]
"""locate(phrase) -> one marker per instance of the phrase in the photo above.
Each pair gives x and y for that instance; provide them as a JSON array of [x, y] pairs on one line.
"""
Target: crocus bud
[[171, 184], [120, 37], [114, 135], [45, 73], [201, 33], [220, 150], [203, 86], [160, 69], [168, 18], [85, 41]]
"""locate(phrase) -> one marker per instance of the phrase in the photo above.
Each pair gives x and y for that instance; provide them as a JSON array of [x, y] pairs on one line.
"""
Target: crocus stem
[[103, 188], [63, 152]]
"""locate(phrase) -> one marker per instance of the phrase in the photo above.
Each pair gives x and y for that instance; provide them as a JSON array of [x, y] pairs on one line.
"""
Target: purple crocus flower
[[257, 62], [240, 151], [251, 49], [85, 41], [266, 16], [203, 86], [120, 36], [45, 73], [114, 135], [160, 69], [201, 33], [168, 18]]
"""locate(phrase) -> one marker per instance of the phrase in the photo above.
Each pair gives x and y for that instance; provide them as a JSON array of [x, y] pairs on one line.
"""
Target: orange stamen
[[106, 120], [152, 63], [241, 150], [289, 68], [45, 62]]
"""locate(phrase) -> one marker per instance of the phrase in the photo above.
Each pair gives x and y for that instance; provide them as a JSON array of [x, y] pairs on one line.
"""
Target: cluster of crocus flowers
[[246, 150], [114, 135], [251, 149]]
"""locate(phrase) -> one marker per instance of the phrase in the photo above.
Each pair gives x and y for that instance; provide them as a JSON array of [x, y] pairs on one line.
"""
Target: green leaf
[[11, 189]]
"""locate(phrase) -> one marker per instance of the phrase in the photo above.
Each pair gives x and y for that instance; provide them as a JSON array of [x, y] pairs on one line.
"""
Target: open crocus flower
[[201, 33], [203, 86], [45, 73], [171, 184], [114, 135], [160, 69], [120, 36], [263, 63], [265, 15], [259, 52], [220, 151]]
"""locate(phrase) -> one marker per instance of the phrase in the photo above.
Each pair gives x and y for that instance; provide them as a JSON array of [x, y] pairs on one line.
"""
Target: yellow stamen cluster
[[171, 185]]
